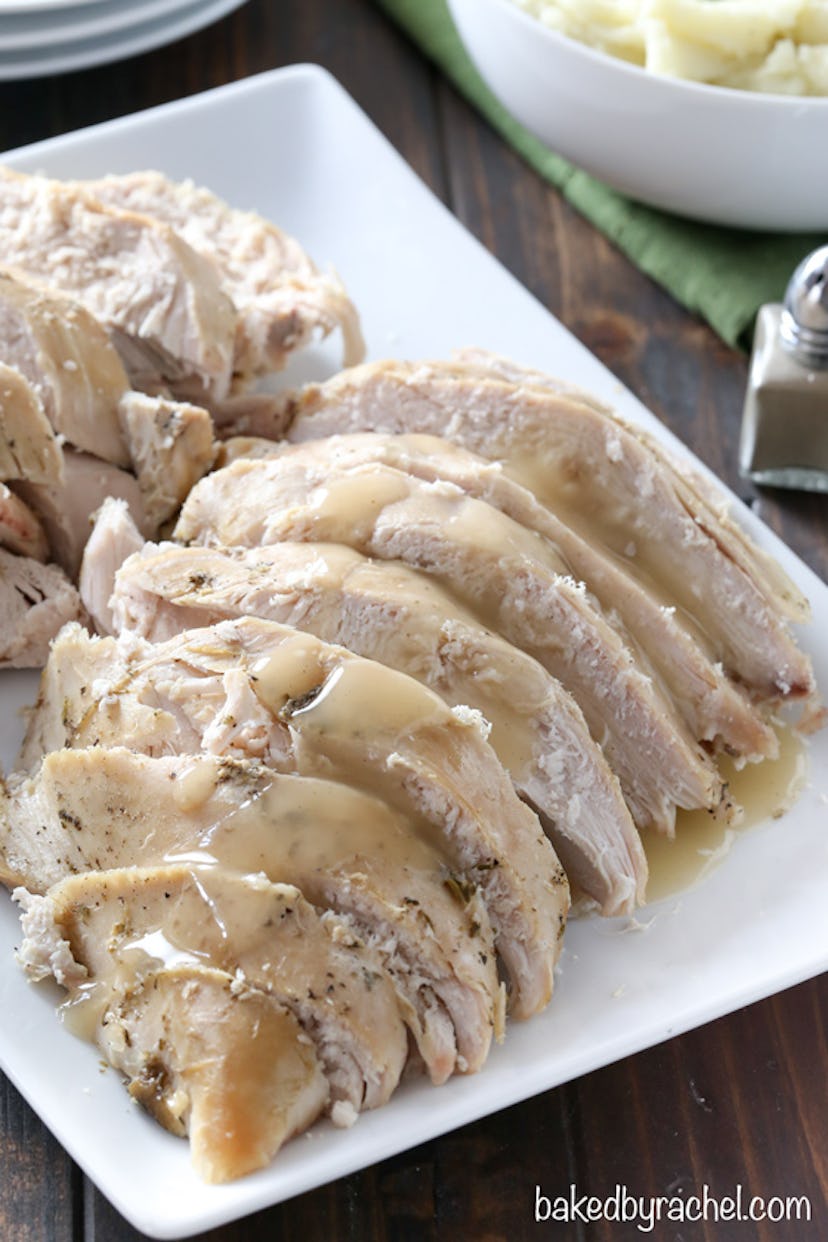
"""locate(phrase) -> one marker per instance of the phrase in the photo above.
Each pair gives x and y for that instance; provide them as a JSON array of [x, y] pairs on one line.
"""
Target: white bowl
[[729, 157]]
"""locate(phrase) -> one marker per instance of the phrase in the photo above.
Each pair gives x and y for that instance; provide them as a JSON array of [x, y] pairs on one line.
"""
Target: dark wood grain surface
[[740, 1101]]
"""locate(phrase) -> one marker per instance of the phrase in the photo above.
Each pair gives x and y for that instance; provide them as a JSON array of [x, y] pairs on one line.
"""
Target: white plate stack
[[40, 37]]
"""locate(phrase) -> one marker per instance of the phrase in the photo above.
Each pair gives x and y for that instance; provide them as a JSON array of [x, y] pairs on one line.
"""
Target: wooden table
[[742, 1100]]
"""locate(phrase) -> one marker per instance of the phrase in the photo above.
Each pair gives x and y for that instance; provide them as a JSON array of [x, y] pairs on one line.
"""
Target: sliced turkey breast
[[162, 302], [250, 414], [101, 809], [696, 490], [114, 538], [714, 709], [20, 530], [229, 1066], [496, 366], [35, 602], [266, 936], [66, 357], [251, 688], [282, 300], [171, 447], [510, 577], [66, 506], [75, 375], [406, 620], [607, 481], [29, 448]]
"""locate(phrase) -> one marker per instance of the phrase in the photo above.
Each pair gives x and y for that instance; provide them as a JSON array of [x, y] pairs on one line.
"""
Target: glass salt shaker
[[784, 439]]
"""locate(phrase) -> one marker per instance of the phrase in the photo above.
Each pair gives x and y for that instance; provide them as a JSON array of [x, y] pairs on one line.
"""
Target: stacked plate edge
[[45, 37]]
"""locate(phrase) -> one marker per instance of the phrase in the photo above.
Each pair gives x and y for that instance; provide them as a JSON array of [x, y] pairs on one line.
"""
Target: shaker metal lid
[[804, 322]]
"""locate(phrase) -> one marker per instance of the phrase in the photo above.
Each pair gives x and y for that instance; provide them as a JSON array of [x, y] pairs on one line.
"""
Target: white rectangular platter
[[292, 145]]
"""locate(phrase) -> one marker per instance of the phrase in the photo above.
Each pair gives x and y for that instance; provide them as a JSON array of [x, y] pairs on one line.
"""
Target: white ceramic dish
[[725, 156], [42, 6], [125, 31], [105, 18], [294, 146]]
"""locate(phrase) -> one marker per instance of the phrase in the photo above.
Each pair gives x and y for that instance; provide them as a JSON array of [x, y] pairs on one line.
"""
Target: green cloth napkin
[[722, 274]]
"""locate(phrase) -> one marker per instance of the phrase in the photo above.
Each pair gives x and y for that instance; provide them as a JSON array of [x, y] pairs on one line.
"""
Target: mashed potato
[[779, 46]]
